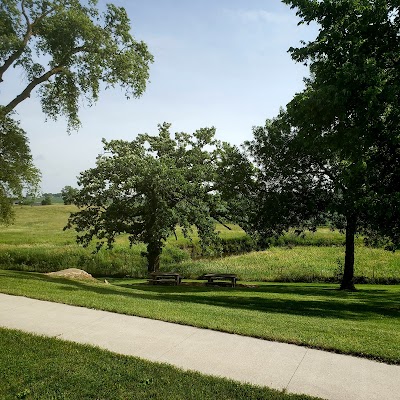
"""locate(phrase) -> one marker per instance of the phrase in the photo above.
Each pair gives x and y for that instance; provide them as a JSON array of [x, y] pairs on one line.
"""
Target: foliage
[[46, 200], [335, 152], [236, 184], [69, 49], [17, 173], [314, 315], [148, 187], [68, 193]]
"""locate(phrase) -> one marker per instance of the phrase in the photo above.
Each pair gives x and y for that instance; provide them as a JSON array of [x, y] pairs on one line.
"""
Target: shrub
[[46, 200]]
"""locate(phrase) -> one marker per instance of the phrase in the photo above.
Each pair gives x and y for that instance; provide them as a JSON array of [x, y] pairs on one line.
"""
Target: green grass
[[36, 242], [35, 225], [34, 367], [364, 323]]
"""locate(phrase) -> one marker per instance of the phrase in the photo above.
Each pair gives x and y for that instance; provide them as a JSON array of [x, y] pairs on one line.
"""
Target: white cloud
[[251, 16]]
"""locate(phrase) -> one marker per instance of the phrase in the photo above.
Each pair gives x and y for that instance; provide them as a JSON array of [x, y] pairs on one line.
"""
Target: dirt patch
[[72, 273]]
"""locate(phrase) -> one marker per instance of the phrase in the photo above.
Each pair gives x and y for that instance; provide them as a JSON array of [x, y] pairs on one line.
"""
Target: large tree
[[67, 194], [68, 50], [335, 151], [148, 187], [17, 172]]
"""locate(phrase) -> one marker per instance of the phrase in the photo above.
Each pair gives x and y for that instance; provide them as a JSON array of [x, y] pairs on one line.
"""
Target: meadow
[[37, 242]]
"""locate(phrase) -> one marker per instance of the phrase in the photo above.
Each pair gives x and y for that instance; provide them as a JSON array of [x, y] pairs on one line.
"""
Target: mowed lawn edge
[[365, 323], [53, 368]]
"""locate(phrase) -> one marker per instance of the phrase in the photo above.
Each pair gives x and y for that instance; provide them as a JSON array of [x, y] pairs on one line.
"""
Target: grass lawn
[[364, 323], [33, 367]]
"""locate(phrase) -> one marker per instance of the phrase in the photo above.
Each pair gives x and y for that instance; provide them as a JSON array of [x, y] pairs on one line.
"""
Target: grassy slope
[[43, 225], [39, 225], [365, 323], [47, 368]]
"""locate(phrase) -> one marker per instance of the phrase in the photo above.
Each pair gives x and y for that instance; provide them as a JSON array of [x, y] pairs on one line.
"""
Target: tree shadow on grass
[[323, 301], [367, 295]]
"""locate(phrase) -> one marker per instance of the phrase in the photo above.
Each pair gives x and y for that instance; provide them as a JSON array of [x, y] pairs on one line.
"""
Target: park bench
[[220, 279], [156, 278]]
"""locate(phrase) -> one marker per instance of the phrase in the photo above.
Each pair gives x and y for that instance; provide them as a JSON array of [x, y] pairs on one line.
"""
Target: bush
[[47, 201]]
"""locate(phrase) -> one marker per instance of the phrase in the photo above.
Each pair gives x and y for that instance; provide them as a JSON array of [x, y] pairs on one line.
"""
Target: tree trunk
[[153, 256], [348, 273]]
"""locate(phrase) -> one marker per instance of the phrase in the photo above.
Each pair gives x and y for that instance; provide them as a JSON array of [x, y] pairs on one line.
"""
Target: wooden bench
[[220, 279], [156, 278]]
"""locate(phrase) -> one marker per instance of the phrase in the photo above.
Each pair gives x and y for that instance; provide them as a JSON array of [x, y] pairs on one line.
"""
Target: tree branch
[[29, 33], [27, 91], [28, 22], [225, 226], [14, 56]]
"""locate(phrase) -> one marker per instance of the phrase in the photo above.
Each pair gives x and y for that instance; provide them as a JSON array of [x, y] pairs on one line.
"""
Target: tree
[[47, 200], [68, 49], [17, 172], [148, 187], [68, 193], [335, 152], [237, 185]]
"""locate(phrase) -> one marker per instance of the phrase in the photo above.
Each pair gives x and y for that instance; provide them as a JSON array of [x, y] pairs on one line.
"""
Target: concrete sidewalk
[[276, 365]]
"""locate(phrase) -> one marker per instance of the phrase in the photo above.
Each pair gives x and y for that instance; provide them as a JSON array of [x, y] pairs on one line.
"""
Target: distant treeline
[[43, 199]]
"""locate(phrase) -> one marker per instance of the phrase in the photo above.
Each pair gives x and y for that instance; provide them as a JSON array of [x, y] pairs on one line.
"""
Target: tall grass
[[300, 264]]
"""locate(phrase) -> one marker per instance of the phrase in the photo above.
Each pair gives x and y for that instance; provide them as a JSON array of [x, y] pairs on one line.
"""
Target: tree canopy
[[68, 50], [67, 194], [334, 153], [17, 172], [148, 187]]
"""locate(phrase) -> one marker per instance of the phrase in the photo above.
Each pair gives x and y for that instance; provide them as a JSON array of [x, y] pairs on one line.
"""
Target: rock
[[72, 273]]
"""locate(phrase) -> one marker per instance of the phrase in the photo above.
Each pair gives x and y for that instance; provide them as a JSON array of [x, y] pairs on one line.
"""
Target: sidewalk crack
[[294, 373], [174, 347]]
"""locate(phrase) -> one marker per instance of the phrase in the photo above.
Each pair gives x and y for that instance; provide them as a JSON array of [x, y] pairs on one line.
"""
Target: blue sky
[[221, 63]]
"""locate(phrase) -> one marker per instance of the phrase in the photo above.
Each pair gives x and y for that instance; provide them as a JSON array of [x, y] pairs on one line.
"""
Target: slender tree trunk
[[153, 256], [348, 273]]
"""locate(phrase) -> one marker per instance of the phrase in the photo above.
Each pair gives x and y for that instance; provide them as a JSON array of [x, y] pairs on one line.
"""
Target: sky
[[221, 63]]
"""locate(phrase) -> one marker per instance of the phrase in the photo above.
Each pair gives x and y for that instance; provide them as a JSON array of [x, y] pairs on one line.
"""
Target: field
[[286, 293], [37, 242]]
